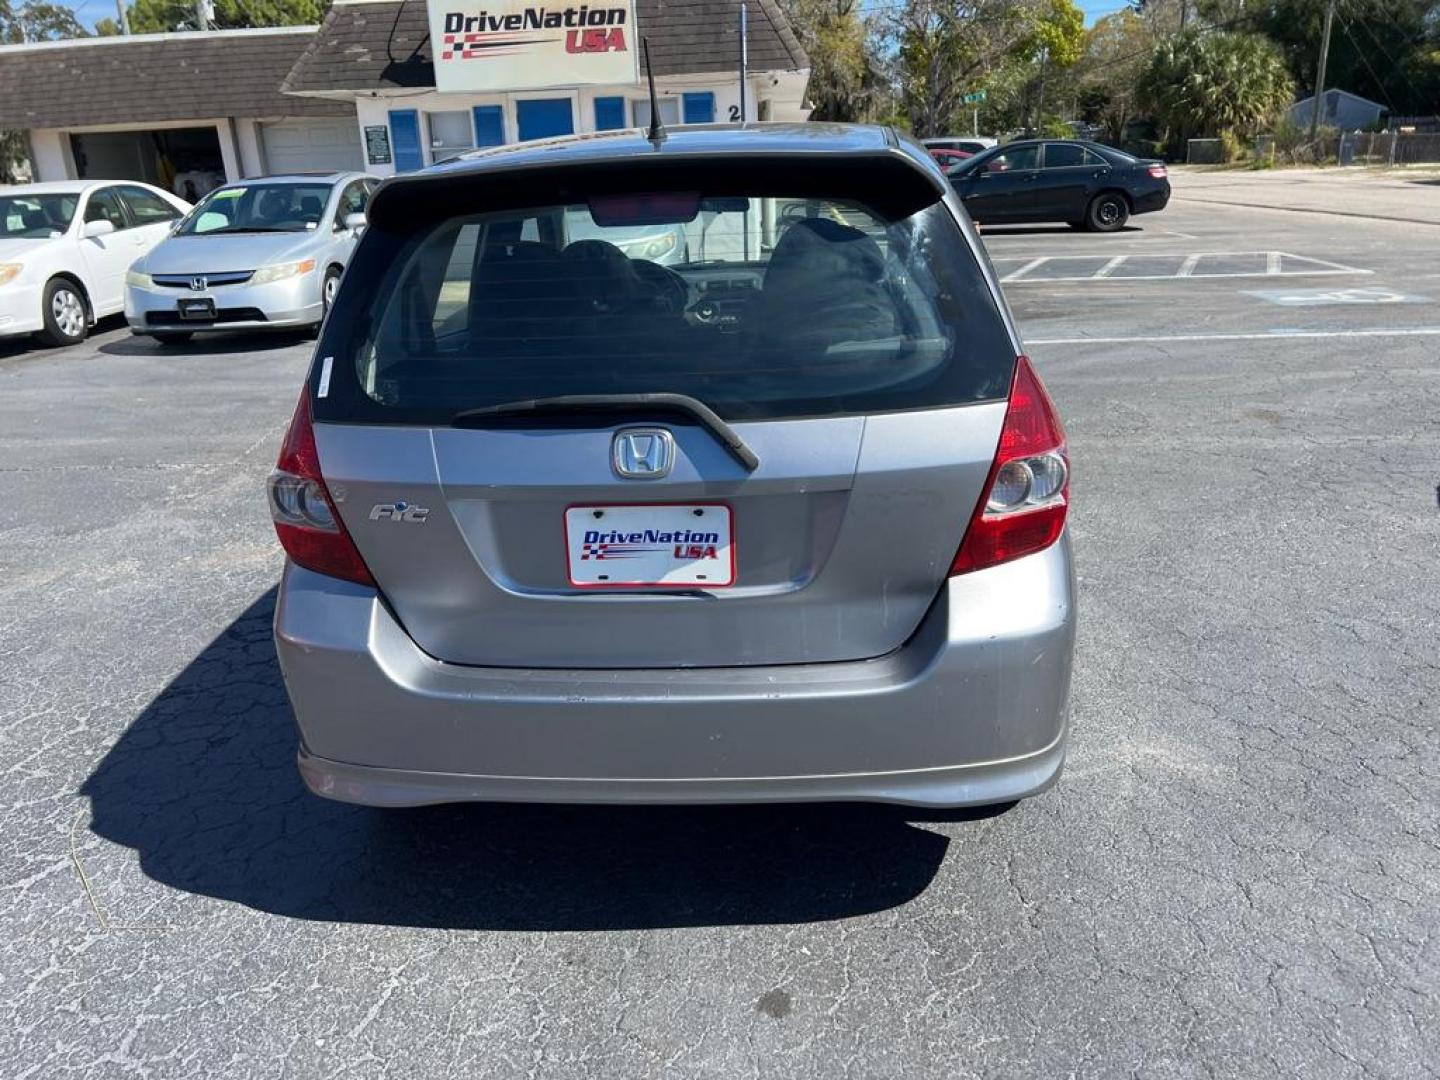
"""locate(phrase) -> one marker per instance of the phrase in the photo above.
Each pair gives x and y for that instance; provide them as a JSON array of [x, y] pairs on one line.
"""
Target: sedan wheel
[[65, 316], [1107, 212], [330, 288]]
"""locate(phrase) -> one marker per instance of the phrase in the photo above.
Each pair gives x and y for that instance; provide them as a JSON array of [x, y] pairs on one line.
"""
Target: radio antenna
[[656, 134]]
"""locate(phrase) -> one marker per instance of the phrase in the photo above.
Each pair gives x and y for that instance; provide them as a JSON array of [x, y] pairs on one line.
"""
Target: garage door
[[318, 144]]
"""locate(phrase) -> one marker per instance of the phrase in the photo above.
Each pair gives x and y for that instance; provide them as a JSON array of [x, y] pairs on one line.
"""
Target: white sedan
[[65, 247]]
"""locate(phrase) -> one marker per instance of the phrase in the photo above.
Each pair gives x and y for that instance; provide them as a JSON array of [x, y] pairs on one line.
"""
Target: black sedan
[[1083, 183]]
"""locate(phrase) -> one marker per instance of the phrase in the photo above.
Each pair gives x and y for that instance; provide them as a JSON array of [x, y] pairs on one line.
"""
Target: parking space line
[[1322, 262], [1109, 267], [1031, 265], [1265, 335], [1192, 266]]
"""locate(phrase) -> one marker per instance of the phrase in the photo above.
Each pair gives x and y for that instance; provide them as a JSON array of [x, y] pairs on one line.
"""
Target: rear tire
[[1107, 212], [172, 337], [65, 313]]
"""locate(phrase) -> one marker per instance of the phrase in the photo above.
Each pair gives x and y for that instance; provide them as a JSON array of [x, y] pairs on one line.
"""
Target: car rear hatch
[[831, 368]]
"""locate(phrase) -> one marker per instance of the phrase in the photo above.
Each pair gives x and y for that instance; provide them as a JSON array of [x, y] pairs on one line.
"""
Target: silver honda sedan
[[257, 254], [782, 521]]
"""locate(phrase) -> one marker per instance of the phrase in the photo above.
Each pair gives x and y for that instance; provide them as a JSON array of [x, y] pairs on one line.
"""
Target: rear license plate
[[690, 544], [203, 308]]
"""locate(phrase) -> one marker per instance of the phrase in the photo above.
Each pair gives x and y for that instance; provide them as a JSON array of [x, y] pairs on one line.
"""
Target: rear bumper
[[972, 710], [1149, 201]]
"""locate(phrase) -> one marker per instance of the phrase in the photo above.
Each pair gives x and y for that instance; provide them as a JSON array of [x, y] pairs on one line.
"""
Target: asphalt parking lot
[[1236, 877]]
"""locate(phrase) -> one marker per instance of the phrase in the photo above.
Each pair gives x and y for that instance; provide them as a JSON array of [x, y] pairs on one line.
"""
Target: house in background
[[1339, 109]]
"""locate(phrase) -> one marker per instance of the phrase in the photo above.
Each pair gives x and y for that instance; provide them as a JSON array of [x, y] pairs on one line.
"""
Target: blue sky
[[1098, 9]]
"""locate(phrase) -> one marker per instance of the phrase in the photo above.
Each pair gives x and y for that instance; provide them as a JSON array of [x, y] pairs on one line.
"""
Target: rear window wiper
[[612, 403]]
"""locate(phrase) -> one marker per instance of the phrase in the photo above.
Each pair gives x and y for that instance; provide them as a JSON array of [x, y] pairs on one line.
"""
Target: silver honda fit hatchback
[[782, 521]]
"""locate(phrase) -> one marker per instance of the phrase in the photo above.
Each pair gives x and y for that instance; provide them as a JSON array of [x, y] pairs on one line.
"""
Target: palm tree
[[1204, 83]]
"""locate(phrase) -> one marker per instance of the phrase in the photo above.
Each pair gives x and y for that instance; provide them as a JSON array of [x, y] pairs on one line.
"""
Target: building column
[[229, 153], [50, 154]]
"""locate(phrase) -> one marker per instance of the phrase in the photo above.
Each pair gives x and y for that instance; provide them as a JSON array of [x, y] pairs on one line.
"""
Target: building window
[[699, 108], [669, 112], [450, 134], [489, 125], [609, 113]]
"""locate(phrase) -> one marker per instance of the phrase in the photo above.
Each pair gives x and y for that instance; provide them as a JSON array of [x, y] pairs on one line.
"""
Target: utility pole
[[744, 58], [204, 10], [124, 17], [1320, 70]]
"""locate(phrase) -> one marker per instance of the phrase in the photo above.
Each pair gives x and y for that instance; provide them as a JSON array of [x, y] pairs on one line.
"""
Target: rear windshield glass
[[760, 307]]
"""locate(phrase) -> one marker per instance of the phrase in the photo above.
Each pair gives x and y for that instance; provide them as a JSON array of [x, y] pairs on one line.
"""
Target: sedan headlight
[[139, 280], [650, 248], [9, 272], [281, 271]]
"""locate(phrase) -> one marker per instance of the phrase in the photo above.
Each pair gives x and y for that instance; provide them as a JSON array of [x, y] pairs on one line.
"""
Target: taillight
[[1157, 171], [1027, 494], [310, 530]]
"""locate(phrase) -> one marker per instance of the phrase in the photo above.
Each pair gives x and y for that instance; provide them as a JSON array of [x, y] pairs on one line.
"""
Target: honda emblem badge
[[643, 453]]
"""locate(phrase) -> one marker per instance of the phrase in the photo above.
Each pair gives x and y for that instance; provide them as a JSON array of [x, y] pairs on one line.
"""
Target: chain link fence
[[1365, 149]]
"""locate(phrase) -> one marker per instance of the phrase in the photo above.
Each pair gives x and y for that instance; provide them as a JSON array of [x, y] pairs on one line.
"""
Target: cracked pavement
[[1236, 877]]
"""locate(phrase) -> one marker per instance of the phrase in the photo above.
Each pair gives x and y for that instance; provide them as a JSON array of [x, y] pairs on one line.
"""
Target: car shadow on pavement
[[205, 344], [203, 787], [1050, 230]]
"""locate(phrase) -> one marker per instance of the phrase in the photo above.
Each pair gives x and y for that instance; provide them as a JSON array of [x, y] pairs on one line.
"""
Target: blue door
[[539, 118], [405, 137], [489, 125]]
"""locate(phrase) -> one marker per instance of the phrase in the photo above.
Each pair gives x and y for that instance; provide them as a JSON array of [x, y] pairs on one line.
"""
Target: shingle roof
[[154, 77], [382, 44]]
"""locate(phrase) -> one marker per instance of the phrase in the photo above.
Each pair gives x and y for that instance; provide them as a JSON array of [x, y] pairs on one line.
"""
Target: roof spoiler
[[889, 182]]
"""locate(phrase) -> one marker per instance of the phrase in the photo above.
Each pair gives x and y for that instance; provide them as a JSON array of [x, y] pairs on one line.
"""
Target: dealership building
[[389, 85]]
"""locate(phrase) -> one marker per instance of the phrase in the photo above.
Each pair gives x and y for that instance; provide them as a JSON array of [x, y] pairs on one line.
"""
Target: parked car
[[970, 144], [252, 255], [949, 159], [65, 247], [1083, 183], [783, 522]]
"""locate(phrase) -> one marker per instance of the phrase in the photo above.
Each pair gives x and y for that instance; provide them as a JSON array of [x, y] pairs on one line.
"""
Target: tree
[[36, 20], [947, 48], [1117, 51], [160, 16], [1204, 83], [844, 74]]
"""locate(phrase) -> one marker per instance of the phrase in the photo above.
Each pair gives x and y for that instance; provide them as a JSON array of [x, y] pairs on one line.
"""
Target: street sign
[[976, 98]]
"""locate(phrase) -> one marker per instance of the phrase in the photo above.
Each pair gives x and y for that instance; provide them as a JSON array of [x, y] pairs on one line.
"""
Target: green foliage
[[944, 49], [844, 74], [1199, 84], [1232, 148], [1380, 49], [37, 20], [160, 16], [1053, 127], [1116, 52]]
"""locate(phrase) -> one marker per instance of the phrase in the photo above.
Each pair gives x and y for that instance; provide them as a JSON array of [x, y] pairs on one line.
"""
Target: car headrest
[[813, 249]]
